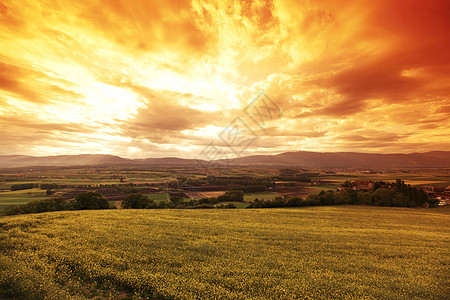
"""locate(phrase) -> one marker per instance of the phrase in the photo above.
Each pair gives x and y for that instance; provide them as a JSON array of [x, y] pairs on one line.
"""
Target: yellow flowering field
[[340, 252]]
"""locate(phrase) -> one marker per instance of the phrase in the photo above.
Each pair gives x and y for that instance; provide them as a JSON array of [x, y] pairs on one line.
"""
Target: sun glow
[[152, 75]]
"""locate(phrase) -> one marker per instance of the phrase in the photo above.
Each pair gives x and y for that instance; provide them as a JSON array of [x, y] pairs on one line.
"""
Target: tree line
[[399, 195], [140, 201], [93, 200], [23, 186], [83, 201]]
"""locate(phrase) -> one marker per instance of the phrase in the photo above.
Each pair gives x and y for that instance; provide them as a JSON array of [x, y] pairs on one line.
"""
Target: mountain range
[[434, 159]]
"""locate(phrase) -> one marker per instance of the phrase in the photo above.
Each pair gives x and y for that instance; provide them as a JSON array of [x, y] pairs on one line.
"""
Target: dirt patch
[[149, 190], [204, 188], [195, 195]]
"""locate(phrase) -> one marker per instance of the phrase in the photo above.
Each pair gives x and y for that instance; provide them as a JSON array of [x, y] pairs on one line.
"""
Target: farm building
[[363, 185]]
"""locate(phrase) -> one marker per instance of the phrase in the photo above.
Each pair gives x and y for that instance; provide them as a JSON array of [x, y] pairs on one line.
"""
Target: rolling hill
[[17, 161], [434, 159], [329, 252], [349, 160]]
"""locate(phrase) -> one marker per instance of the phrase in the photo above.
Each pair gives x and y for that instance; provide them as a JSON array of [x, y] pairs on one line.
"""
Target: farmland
[[20, 197], [259, 195], [156, 182], [318, 252]]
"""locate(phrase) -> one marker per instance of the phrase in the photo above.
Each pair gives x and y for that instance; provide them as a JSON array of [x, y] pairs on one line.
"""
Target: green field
[[324, 187], [241, 205], [419, 178], [237, 204], [158, 196], [20, 197], [318, 253], [260, 195]]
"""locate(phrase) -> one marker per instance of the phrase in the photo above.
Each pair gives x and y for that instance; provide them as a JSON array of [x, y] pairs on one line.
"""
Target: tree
[[353, 196], [347, 183], [341, 197], [49, 186], [326, 198], [176, 200], [312, 199], [127, 189], [296, 201], [37, 206], [231, 196], [22, 186], [135, 200], [383, 197], [90, 200]]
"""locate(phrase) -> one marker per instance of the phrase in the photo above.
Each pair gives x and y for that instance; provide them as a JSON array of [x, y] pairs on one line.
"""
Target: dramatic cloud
[[149, 78]]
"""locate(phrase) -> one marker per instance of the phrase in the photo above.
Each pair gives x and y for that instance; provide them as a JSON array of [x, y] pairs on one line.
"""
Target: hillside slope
[[350, 159], [435, 159], [342, 252]]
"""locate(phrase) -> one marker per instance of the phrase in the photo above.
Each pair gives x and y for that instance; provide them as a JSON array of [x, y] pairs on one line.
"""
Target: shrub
[[212, 200], [136, 200], [127, 189], [231, 196], [176, 200], [22, 186], [90, 200], [49, 186], [38, 206]]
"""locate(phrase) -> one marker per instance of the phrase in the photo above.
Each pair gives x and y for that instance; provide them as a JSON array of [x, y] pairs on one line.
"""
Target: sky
[[203, 79]]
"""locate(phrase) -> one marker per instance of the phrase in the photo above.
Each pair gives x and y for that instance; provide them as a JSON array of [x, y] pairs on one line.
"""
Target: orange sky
[[164, 78]]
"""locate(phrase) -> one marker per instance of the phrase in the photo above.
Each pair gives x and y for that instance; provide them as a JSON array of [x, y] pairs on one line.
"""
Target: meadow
[[310, 253], [260, 195], [8, 198], [158, 197]]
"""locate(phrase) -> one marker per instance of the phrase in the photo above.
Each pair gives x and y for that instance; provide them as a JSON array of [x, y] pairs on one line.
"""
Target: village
[[442, 194]]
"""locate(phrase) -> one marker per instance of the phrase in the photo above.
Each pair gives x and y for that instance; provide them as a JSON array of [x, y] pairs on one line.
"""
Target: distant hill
[[16, 161], [167, 161], [349, 160], [432, 159]]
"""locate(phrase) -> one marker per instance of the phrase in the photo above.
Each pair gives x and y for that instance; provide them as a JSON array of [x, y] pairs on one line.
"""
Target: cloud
[[374, 136], [30, 124], [164, 118], [143, 78], [147, 26], [33, 86], [387, 61], [170, 116]]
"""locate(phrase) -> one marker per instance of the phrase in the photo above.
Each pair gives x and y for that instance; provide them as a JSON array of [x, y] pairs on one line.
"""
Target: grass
[[23, 192], [241, 205], [159, 196], [309, 253], [260, 195], [21, 197], [235, 203], [419, 178], [332, 187]]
